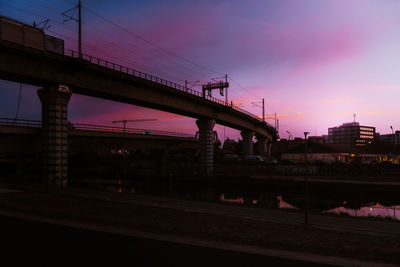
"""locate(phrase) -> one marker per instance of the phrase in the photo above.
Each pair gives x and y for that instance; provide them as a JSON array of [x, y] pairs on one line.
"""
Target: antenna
[[69, 17], [354, 115]]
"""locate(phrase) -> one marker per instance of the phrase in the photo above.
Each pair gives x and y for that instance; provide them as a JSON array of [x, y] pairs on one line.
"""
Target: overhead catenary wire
[[151, 43], [114, 45], [147, 57], [69, 38], [167, 51], [143, 39]]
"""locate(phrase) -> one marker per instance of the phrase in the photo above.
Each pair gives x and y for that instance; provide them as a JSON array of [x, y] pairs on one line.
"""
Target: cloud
[[375, 113], [333, 101]]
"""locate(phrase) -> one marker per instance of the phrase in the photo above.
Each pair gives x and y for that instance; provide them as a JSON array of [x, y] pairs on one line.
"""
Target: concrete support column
[[55, 134], [262, 145], [269, 146], [206, 149], [247, 142]]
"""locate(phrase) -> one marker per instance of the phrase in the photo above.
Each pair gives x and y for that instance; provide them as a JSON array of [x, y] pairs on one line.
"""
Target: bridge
[[22, 139], [60, 75]]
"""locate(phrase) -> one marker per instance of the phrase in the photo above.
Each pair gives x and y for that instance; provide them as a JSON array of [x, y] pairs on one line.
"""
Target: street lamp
[[290, 135], [393, 141], [305, 180]]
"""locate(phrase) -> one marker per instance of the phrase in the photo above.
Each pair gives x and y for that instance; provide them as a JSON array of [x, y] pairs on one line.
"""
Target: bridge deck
[[95, 77]]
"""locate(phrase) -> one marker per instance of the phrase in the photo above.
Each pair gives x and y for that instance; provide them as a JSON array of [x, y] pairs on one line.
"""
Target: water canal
[[378, 205]]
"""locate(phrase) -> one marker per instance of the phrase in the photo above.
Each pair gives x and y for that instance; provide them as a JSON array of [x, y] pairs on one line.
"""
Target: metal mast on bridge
[[70, 16], [221, 85]]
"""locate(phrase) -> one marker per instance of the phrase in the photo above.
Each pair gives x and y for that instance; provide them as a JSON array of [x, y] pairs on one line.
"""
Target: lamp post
[[305, 180], [393, 141]]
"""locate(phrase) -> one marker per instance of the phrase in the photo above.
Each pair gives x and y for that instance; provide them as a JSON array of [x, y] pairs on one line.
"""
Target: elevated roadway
[[98, 78], [95, 77]]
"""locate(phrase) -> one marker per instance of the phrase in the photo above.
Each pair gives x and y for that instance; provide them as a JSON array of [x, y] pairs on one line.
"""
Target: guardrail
[[103, 128], [20, 123], [91, 127], [155, 79]]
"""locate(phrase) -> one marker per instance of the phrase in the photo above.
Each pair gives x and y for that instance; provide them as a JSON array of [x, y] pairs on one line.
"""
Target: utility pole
[[80, 29], [226, 89], [69, 17], [261, 104], [263, 109]]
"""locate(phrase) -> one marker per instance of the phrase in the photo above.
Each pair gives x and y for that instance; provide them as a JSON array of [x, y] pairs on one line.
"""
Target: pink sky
[[316, 63]]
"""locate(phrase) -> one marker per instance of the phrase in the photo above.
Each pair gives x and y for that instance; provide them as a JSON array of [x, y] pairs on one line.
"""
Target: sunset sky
[[315, 62]]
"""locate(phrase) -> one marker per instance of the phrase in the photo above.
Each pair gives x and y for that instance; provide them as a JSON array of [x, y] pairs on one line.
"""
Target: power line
[[140, 38], [230, 78], [22, 10], [153, 44], [114, 45]]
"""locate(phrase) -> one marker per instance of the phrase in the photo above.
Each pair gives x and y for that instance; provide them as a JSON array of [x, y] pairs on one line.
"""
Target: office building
[[389, 138], [351, 133]]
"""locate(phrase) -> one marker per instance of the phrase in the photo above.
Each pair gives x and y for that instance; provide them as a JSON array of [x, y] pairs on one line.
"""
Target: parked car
[[231, 157], [255, 158]]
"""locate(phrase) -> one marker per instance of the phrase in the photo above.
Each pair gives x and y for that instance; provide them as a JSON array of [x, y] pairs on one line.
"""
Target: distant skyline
[[315, 63]]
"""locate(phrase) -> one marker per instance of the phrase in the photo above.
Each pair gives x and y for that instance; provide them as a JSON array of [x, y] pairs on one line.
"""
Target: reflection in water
[[120, 189], [376, 210], [240, 200], [319, 204]]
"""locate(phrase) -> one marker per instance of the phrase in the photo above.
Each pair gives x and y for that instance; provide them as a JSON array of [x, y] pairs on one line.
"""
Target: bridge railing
[[20, 123], [155, 79], [103, 128], [91, 127]]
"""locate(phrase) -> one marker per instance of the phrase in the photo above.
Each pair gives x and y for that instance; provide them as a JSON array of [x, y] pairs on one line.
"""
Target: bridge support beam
[[247, 142], [54, 134], [269, 146], [206, 148]]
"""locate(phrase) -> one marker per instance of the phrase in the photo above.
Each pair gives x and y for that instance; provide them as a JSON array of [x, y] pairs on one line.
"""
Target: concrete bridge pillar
[[247, 142], [262, 145], [269, 146], [206, 149], [55, 134]]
